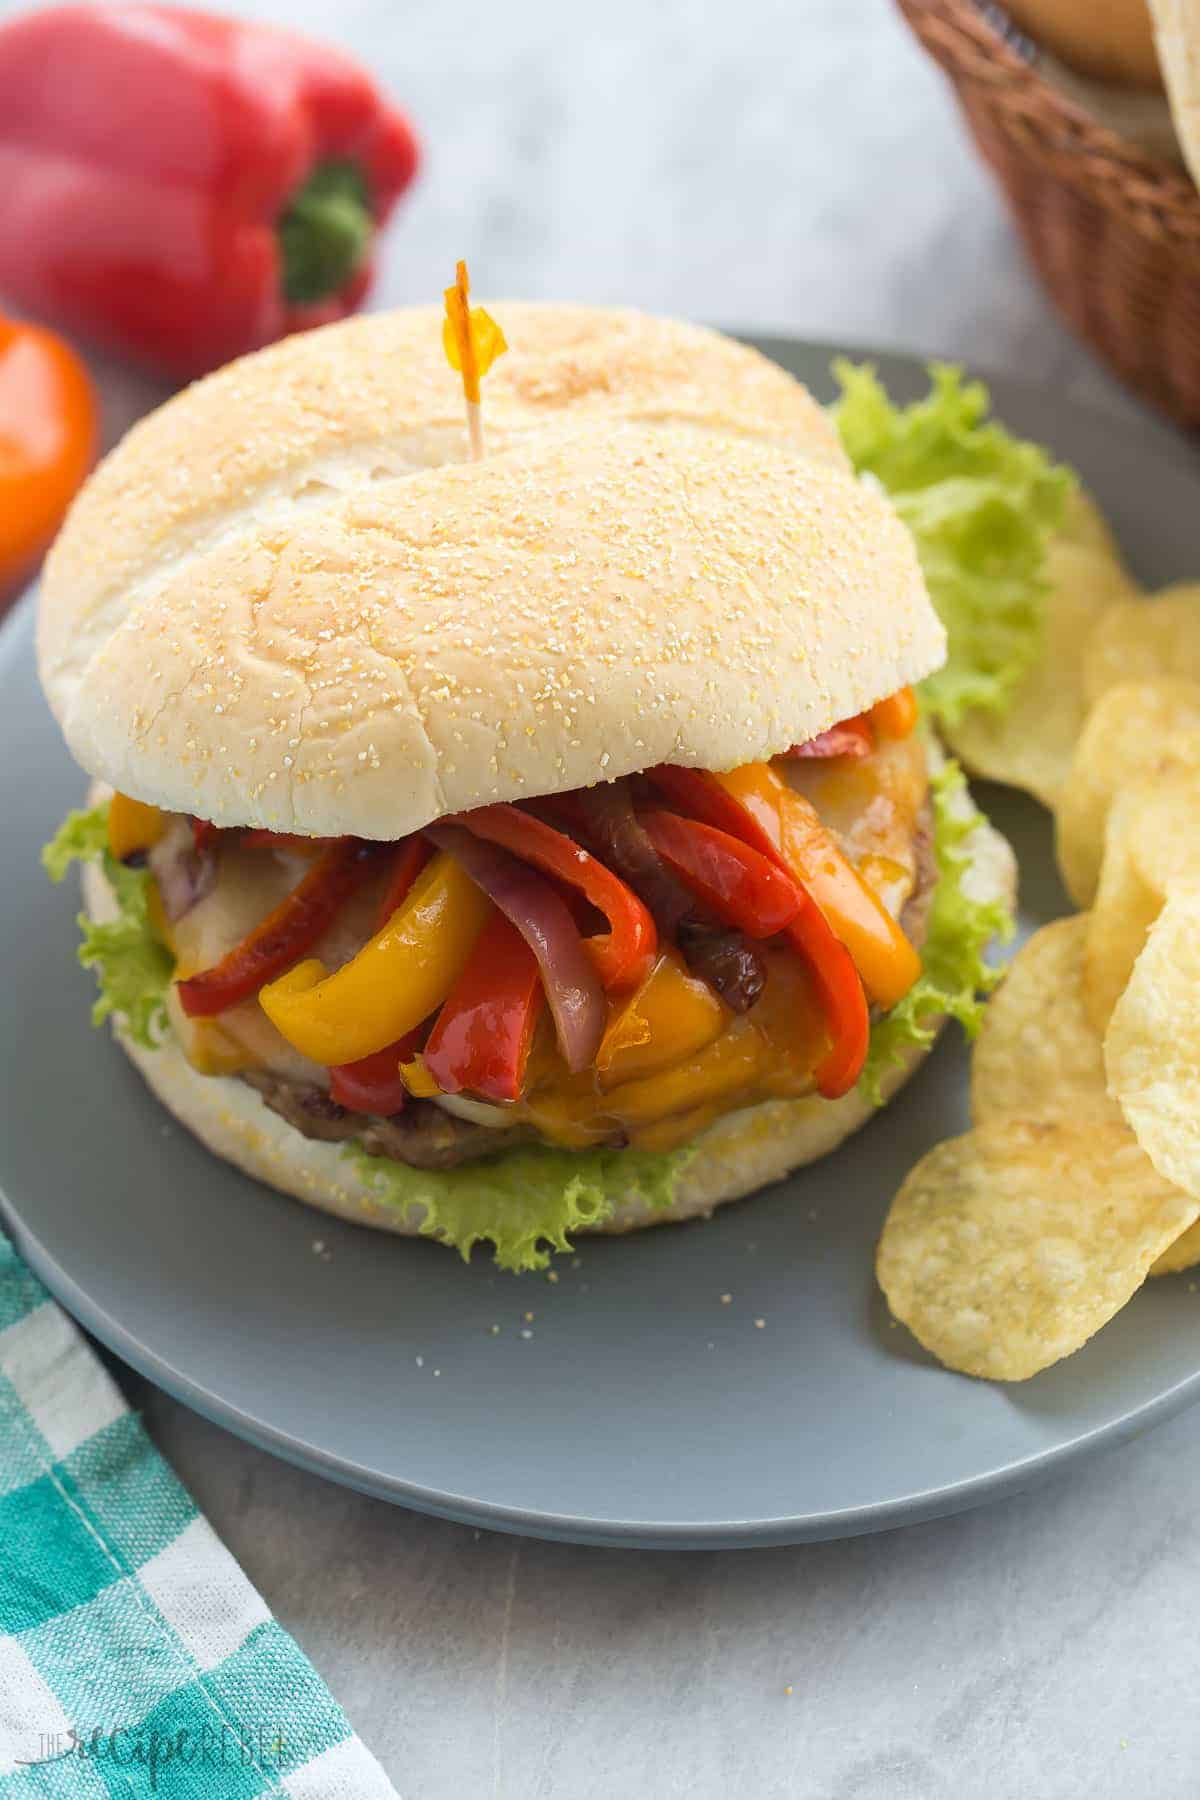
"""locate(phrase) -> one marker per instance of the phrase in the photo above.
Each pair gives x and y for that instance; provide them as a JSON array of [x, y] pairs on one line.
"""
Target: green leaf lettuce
[[981, 506], [133, 969], [528, 1202], [954, 975]]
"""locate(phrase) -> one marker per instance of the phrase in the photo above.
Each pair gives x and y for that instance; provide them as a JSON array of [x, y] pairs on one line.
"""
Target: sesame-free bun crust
[[286, 600], [742, 1152]]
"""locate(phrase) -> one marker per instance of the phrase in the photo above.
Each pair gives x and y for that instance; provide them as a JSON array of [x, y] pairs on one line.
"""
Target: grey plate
[[641, 1409]]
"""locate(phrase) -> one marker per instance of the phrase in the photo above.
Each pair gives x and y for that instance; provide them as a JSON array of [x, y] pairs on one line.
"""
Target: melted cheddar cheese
[[674, 1058]]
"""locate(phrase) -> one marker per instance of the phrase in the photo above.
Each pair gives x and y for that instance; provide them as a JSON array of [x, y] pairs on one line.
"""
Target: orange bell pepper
[[895, 717], [882, 954], [133, 826], [47, 442]]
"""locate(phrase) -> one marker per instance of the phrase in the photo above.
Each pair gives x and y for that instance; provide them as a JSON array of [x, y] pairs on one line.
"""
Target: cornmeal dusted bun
[[287, 601], [742, 1152]]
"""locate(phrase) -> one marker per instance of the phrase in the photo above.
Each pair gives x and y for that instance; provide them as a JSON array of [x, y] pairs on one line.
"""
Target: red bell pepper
[[853, 738], [285, 934], [843, 1001], [205, 835], [374, 1083], [259, 839], [410, 858], [481, 1037], [623, 956], [183, 187], [740, 885]]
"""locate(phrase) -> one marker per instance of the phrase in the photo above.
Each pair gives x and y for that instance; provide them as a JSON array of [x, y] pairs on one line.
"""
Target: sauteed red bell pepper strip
[[843, 1002], [285, 934], [257, 839], [481, 1037], [410, 858], [701, 796], [186, 187], [740, 885], [205, 835], [756, 804], [374, 1083], [624, 955], [853, 738], [538, 911]]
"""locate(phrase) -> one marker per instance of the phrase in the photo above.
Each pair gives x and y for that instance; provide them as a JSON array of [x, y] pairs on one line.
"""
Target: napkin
[[135, 1656]]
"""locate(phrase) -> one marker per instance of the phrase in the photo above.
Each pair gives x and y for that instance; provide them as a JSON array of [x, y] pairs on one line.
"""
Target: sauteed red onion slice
[[607, 811], [573, 990], [184, 875]]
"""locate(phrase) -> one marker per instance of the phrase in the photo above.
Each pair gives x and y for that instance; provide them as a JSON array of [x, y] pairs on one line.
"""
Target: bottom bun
[[742, 1152]]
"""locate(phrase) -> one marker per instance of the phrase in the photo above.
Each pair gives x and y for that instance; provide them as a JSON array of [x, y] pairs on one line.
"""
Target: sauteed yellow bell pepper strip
[[882, 954], [395, 981], [672, 1016], [418, 1080], [724, 1067], [133, 826], [571, 1111]]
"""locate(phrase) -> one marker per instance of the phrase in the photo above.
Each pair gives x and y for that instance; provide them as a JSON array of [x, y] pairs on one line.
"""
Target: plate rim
[[799, 1528], [813, 1526]]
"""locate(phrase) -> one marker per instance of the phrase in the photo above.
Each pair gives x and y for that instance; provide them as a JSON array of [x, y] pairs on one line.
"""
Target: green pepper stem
[[325, 233]]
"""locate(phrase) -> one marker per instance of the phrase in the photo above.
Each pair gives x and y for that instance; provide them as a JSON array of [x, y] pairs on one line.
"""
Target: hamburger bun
[[286, 601]]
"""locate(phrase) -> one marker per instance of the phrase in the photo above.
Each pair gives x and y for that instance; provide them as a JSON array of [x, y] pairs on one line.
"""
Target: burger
[[508, 848]]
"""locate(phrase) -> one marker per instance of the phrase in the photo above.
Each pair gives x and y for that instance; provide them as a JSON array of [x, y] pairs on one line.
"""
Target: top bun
[[287, 599]]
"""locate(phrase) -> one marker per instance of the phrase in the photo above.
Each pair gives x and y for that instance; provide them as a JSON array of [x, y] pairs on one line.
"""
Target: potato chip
[[1139, 639], [1184, 1253], [1133, 730], [1152, 844], [1037, 1046], [1152, 1050], [1030, 745], [1006, 1249]]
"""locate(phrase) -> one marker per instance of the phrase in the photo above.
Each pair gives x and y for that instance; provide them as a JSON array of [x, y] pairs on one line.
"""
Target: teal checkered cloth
[[135, 1657]]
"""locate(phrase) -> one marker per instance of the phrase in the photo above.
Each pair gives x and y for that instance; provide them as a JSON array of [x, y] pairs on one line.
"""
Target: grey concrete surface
[[794, 165]]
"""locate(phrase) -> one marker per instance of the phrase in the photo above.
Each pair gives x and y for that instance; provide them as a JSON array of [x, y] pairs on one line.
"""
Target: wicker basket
[[1114, 233]]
